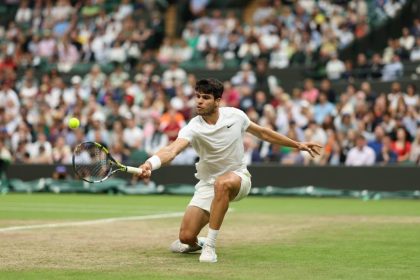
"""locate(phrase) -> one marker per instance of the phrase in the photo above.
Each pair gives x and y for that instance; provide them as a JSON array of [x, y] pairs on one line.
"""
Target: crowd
[[66, 33], [385, 66], [136, 116], [283, 32]]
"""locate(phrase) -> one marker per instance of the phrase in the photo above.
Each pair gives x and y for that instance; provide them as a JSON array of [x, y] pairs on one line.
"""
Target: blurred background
[[345, 74]]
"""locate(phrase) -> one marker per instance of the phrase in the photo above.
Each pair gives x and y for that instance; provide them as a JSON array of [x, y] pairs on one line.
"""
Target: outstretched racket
[[93, 163]]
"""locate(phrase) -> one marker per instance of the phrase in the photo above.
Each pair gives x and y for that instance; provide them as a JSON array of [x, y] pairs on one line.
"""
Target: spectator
[[310, 92], [197, 7], [376, 66], [157, 140], [411, 97], [47, 46], [251, 153], [361, 154], [401, 146], [95, 78], [98, 132], [5, 156], [231, 95], [9, 99], [332, 150], [245, 77], [407, 40], [214, 60], [279, 58], [335, 68], [415, 52], [133, 134], [67, 56], [249, 50], [415, 149], [174, 74], [362, 67], [206, 40], [393, 70], [171, 122], [323, 108], [377, 143], [325, 86], [24, 13], [386, 155]]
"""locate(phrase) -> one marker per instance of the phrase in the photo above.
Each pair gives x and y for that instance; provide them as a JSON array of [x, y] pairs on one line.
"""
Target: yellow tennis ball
[[74, 123]]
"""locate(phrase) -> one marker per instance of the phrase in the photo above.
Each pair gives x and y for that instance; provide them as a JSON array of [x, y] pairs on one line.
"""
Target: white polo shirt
[[219, 146], [357, 157]]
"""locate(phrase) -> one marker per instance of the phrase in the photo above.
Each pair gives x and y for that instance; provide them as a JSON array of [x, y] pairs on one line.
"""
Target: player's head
[[208, 93]]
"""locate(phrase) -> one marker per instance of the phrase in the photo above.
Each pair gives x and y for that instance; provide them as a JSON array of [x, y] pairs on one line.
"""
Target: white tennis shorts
[[204, 191]]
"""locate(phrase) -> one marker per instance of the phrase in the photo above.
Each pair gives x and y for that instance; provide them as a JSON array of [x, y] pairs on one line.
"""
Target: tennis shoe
[[208, 254], [178, 247]]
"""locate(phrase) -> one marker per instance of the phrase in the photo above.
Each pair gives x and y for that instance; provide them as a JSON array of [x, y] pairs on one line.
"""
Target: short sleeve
[[245, 120], [186, 133]]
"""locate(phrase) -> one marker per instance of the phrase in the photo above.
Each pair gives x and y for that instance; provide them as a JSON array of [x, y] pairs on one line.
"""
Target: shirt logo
[[228, 126]]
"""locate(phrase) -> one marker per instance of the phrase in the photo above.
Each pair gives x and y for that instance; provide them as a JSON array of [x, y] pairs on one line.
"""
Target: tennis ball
[[74, 123]]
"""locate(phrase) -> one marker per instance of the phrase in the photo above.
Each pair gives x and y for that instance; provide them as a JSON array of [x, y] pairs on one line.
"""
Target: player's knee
[[221, 187], [187, 237]]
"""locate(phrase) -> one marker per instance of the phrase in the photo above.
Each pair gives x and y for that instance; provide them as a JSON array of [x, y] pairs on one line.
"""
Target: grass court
[[261, 238]]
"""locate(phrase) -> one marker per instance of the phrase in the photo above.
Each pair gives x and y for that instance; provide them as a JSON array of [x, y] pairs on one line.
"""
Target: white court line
[[95, 222]]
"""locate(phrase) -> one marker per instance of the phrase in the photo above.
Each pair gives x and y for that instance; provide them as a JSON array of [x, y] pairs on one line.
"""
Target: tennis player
[[217, 136]]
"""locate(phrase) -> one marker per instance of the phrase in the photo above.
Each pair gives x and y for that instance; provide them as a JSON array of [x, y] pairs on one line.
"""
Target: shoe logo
[[228, 126]]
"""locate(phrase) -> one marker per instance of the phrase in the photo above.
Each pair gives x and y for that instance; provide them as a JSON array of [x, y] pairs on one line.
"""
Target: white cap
[[76, 80], [98, 116], [177, 104]]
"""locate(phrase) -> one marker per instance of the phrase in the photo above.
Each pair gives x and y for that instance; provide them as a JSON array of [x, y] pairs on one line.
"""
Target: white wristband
[[155, 162]]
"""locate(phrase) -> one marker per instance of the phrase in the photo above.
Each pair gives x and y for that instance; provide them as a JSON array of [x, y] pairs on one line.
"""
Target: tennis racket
[[93, 163]]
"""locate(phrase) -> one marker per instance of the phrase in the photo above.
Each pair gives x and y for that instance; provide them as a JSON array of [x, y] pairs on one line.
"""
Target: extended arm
[[164, 155], [273, 137]]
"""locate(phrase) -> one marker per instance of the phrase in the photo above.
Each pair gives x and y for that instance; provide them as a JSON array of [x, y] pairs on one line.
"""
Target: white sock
[[211, 237]]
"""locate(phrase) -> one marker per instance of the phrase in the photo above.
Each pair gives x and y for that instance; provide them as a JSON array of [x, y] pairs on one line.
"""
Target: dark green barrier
[[121, 186], [381, 178]]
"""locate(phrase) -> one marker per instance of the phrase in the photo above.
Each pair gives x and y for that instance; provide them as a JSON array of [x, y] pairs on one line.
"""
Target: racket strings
[[91, 162]]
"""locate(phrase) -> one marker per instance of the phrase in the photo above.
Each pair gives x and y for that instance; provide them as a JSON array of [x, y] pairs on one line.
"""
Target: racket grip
[[134, 170]]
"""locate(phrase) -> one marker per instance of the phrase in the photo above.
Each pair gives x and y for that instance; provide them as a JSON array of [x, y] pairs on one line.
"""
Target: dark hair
[[210, 86]]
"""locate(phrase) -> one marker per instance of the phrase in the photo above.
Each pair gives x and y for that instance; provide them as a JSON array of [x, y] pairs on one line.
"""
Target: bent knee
[[222, 185], [187, 237]]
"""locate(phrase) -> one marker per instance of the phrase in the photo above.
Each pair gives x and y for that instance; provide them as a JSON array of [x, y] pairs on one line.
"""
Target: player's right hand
[[146, 170]]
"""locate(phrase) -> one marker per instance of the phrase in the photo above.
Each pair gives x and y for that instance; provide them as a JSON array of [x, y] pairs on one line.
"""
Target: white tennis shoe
[[208, 254], [178, 247]]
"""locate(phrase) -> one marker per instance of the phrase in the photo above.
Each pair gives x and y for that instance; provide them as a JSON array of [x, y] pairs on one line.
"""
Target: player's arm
[[274, 137], [163, 156]]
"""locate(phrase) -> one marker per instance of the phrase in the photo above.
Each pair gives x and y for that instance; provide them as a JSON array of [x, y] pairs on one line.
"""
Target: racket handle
[[134, 170]]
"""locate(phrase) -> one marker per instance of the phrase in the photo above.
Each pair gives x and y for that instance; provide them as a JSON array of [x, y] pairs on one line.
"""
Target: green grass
[[284, 238]]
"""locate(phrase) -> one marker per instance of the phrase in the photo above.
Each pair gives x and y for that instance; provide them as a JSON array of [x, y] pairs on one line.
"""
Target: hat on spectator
[[76, 80], [98, 116], [177, 104], [138, 77], [155, 79], [129, 98], [305, 103], [127, 115]]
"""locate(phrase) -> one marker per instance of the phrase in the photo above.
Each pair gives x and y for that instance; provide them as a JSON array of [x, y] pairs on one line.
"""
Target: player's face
[[206, 104]]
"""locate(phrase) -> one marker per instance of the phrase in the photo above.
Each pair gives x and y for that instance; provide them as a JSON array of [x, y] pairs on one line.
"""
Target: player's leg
[[232, 186], [193, 221], [226, 189]]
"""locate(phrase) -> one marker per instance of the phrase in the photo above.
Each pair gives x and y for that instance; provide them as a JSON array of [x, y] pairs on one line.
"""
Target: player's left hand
[[311, 148]]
